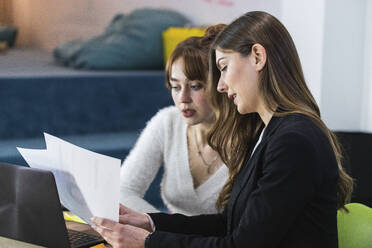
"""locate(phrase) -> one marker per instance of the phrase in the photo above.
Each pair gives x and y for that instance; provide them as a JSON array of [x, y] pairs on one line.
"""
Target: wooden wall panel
[[5, 11]]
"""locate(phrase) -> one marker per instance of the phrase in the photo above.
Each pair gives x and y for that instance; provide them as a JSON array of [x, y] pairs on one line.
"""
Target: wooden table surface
[[11, 243]]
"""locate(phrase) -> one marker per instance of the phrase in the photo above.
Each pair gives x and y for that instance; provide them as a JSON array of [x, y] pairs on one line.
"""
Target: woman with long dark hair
[[286, 180]]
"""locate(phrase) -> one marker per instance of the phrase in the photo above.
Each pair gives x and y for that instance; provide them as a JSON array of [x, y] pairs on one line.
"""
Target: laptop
[[30, 210]]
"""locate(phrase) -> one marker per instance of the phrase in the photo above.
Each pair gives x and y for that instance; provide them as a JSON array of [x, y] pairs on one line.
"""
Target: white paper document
[[87, 182]]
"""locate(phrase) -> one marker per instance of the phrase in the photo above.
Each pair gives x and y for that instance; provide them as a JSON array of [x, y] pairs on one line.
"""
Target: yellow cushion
[[172, 36]]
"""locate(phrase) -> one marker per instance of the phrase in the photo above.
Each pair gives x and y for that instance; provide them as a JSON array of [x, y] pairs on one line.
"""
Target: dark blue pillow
[[8, 34], [131, 42]]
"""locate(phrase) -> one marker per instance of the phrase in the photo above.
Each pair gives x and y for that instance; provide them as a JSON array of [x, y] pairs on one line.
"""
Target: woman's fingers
[[137, 220], [104, 232], [124, 210], [119, 235], [110, 230], [133, 220], [104, 223], [113, 237], [124, 219]]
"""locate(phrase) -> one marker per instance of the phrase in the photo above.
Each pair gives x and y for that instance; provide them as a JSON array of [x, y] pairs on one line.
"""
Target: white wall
[[342, 83], [201, 12], [305, 22], [366, 118], [334, 39]]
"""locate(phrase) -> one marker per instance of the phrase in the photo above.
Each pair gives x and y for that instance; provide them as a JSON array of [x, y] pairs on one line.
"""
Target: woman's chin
[[191, 121], [242, 111]]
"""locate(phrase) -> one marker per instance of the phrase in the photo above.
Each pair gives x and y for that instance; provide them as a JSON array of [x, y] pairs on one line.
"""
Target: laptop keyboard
[[82, 239]]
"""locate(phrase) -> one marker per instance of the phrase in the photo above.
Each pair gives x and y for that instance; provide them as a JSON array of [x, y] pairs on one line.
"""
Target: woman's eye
[[175, 88], [196, 86], [224, 68]]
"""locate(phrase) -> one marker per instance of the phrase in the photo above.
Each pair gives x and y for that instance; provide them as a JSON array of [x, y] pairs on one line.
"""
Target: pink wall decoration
[[227, 3]]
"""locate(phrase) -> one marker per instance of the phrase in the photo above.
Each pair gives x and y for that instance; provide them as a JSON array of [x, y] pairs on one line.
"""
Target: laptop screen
[[30, 209]]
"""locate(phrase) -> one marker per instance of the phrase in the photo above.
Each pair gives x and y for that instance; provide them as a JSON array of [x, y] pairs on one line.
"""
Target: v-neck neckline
[[198, 190]]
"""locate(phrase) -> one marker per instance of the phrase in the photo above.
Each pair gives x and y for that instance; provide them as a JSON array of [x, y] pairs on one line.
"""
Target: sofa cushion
[[131, 41], [174, 35]]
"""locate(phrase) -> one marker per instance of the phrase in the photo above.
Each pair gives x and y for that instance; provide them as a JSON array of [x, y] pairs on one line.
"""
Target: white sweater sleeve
[[142, 164]]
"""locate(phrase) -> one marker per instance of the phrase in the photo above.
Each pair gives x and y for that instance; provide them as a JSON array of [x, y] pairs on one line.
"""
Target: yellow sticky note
[[71, 217], [99, 246]]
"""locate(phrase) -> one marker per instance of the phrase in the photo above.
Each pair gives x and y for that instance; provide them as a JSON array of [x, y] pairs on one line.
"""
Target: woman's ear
[[259, 54]]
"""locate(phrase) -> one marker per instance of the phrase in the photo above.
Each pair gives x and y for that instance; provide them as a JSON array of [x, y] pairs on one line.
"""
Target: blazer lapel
[[240, 181], [250, 163]]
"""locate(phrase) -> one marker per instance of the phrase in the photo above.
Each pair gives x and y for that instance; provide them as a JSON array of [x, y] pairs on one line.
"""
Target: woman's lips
[[188, 113], [232, 97]]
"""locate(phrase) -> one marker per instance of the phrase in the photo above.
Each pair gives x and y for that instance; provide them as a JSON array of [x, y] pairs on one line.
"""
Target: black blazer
[[284, 196]]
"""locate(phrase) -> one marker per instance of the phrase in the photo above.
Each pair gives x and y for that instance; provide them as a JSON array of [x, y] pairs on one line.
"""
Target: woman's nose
[[185, 96], [221, 86]]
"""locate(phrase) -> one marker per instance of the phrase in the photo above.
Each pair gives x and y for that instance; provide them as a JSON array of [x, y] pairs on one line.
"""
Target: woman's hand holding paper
[[130, 232]]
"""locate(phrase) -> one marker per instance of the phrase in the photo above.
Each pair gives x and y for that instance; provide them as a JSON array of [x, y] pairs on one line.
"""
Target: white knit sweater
[[164, 143]]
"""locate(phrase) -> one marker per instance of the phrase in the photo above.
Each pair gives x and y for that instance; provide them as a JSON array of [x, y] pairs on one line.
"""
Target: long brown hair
[[194, 51], [282, 86]]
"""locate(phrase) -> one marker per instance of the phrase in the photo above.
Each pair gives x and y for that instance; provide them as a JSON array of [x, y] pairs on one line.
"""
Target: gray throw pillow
[[130, 42]]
